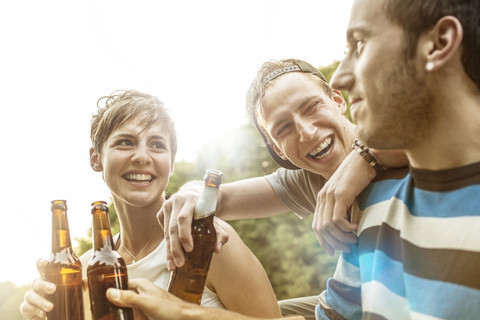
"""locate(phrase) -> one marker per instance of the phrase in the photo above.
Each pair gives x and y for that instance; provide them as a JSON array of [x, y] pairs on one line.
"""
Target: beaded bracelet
[[368, 155]]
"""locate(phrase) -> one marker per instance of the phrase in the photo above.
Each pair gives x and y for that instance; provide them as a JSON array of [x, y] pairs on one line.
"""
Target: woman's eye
[[125, 142], [158, 145]]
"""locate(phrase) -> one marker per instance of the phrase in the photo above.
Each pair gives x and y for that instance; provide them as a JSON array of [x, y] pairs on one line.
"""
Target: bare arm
[[240, 281], [250, 198], [157, 304]]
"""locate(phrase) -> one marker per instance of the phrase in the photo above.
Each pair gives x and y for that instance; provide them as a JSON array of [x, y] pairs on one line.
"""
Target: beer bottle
[[64, 269], [188, 282], [106, 269]]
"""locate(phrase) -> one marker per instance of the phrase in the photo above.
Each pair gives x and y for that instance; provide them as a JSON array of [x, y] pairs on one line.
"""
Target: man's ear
[[274, 147], [340, 101], [95, 161], [442, 42]]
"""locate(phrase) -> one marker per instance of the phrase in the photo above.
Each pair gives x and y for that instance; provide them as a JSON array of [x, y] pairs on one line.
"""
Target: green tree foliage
[[11, 296]]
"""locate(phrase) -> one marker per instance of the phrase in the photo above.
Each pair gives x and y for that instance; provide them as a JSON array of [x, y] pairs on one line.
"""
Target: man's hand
[[332, 229], [34, 305], [176, 217], [148, 301]]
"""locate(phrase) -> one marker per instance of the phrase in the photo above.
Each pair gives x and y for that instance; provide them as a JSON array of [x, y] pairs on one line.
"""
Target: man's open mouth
[[323, 150]]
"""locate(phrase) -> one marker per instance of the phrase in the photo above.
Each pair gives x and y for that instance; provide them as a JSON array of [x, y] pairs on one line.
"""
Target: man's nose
[[343, 78], [306, 130]]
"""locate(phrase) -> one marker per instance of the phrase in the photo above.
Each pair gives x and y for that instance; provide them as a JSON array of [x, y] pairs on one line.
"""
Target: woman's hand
[[34, 305]]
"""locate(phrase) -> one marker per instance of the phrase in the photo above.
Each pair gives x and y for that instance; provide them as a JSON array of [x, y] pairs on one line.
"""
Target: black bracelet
[[368, 155]]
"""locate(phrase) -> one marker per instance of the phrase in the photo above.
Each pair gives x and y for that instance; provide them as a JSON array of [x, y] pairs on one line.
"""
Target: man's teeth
[[138, 177], [324, 145]]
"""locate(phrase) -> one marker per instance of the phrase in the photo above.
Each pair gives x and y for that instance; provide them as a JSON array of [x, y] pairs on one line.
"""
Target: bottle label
[[213, 178]]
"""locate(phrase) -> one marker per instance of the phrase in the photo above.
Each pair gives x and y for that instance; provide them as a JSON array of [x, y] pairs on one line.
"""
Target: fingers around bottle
[[184, 223], [29, 311], [43, 287], [41, 264], [37, 301]]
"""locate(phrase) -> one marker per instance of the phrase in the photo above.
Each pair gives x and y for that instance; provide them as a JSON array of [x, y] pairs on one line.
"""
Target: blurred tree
[[11, 296]]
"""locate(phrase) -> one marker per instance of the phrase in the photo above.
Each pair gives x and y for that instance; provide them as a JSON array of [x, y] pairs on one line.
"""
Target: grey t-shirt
[[297, 189]]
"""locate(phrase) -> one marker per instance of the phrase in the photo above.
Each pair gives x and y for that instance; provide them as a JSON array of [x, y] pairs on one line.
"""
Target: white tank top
[[154, 268]]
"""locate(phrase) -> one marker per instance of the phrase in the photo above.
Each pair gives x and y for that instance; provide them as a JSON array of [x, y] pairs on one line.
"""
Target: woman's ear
[[95, 162]]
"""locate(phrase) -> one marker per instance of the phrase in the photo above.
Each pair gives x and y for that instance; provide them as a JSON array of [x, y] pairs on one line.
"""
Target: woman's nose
[[141, 155]]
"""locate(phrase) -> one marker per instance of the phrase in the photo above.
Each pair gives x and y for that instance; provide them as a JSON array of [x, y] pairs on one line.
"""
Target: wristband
[[368, 155]]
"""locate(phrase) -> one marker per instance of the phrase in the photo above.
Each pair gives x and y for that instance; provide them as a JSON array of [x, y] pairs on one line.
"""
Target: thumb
[[124, 298]]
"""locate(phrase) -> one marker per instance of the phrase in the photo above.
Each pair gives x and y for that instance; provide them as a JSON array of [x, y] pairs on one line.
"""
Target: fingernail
[[47, 306], [179, 262], [188, 247], [170, 265], [50, 288]]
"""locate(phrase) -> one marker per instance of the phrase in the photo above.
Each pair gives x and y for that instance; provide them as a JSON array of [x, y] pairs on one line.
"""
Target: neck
[[140, 231], [451, 140]]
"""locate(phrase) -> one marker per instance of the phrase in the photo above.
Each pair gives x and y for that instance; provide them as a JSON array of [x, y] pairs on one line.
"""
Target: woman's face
[[137, 163]]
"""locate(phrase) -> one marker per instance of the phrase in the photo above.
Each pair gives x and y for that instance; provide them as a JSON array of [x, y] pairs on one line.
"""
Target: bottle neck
[[60, 231], [207, 202], [102, 234]]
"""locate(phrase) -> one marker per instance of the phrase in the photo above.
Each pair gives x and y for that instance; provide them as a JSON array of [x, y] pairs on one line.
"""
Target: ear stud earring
[[429, 66]]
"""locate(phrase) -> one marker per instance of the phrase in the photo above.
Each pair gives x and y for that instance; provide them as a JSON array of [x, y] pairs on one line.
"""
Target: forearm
[[248, 199], [243, 199]]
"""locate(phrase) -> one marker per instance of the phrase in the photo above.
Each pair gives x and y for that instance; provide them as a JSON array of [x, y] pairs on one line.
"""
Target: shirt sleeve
[[297, 189]]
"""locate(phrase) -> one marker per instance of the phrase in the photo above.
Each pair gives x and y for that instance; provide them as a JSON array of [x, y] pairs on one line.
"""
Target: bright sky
[[59, 57]]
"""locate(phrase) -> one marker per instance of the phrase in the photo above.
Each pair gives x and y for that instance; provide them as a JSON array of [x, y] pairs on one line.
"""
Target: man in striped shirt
[[413, 76]]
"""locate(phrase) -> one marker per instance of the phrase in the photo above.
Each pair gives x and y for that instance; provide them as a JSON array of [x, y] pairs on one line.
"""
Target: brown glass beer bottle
[[188, 282], [64, 269], [106, 269]]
